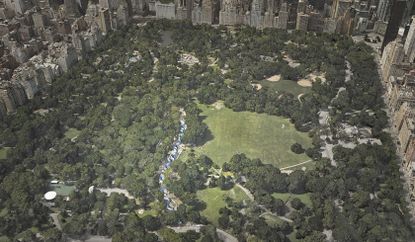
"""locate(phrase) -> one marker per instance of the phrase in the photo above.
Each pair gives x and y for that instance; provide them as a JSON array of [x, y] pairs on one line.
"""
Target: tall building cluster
[[398, 73], [341, 16], [41, 39]]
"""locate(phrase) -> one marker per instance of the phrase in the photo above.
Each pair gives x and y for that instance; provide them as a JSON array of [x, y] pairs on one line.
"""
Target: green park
[[262, 136]]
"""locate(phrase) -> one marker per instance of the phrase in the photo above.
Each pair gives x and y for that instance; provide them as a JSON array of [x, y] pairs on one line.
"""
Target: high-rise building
[[283, 17], [122, 15], [301, 7], [397, 11], [71, 8], [104, 20], [231, 13], [302, 22], [20, 6], [391, 56], [315, 22], [329, 25], [271, 6], [409, 10], [207, 12], [340, 7], [383, 10], [409, 46]]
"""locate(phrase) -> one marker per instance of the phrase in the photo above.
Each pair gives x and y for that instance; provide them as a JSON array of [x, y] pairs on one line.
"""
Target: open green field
[[3, 152], [272, 220], [62, 190], [215, 200], [154, 209], [257, 135], [305, 198], [285, 86], [72, 133]]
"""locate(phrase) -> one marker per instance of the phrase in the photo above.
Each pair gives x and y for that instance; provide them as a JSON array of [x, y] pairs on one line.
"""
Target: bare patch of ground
[[292, 63], [274, 78], [305, 83], [313, 76], [310, 78], [257, 86], [218, 105], [299, 97], [41, 111], [188, 59]]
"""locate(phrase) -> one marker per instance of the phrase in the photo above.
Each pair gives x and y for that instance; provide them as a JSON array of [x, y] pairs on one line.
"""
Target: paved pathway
[[223, 235], [56, 220], [247, 192], [267, 211], [108, 191], [299, 164]]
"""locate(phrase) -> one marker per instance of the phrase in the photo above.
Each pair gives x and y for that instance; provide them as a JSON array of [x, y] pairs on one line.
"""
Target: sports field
[[286, 86], [257, 135]]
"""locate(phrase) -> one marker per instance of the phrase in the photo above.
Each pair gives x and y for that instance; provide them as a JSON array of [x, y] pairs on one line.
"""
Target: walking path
[[299, 164], [108, 191], [247, 192], [56, 220], [223, 235], [280, 217], [267, 211], [327, 151]]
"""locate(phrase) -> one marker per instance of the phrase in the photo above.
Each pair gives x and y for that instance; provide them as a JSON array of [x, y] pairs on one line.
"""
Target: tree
[[279, 207], [171, 218], [169, 235], [122, 114], [225, 183], [223, 221], [296, 203], [285, 227], [52, 235], [209, 233], [190, 236], [151, 223], [297, 182], [297, 148]]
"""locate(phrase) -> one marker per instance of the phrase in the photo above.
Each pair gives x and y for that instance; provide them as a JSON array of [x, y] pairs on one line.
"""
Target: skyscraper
[[397, 11], [302, 22], [340, 7], [71, 8], [409, 46], [408, 11], [383, 9]]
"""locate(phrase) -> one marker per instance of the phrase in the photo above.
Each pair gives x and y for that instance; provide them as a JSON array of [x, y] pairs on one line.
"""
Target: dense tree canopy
[[110, 122]]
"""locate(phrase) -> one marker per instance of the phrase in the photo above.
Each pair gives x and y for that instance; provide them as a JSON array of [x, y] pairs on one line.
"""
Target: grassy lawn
[[155, 209], [257, 135], [272, 220], [3, 152], [292, 236], [72, 133], [305, 198], [62, 190], [285, 86], [215, 200]]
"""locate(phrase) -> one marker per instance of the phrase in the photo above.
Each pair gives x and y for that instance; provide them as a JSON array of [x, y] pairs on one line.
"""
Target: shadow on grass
[[208, 136]]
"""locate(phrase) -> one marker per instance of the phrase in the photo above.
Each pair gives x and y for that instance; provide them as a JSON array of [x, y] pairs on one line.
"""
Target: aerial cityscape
[[207, 120]]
